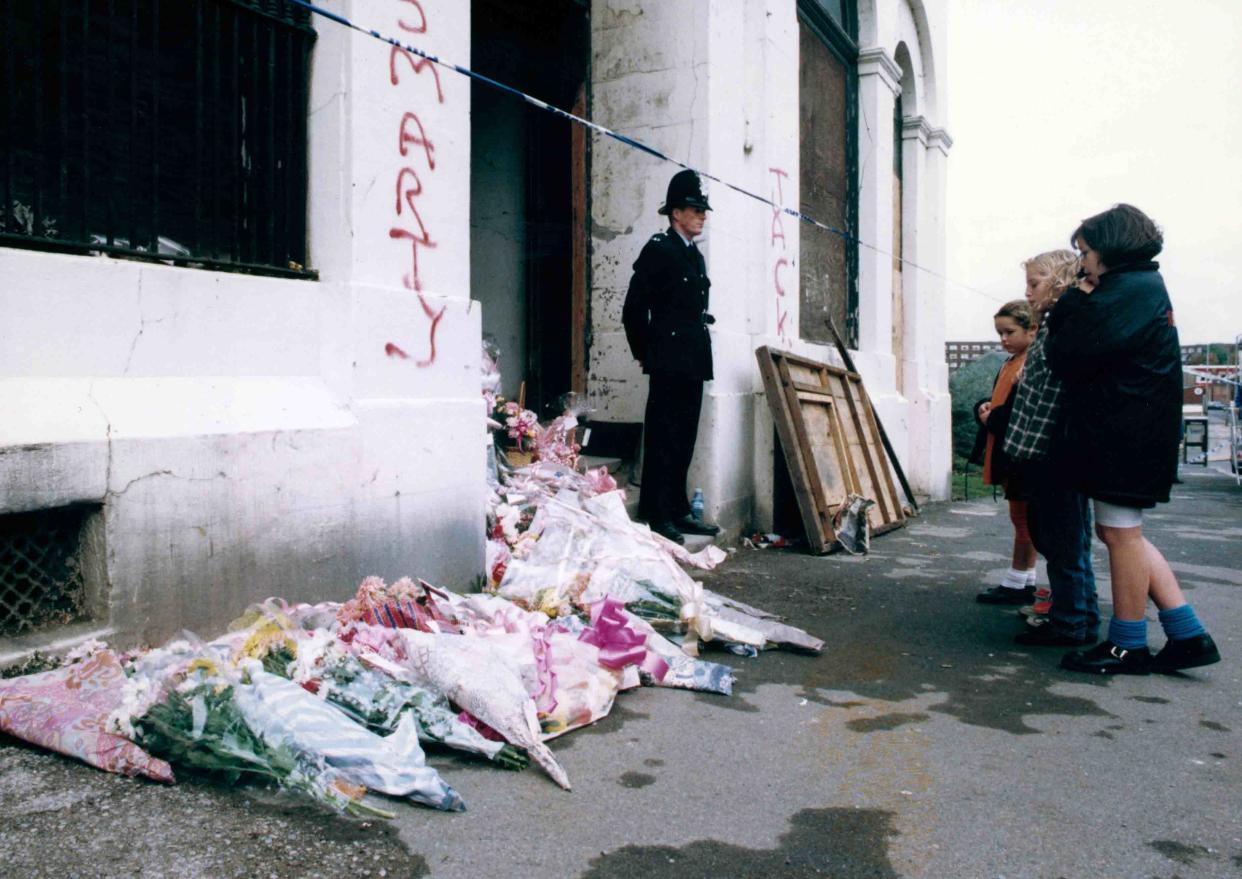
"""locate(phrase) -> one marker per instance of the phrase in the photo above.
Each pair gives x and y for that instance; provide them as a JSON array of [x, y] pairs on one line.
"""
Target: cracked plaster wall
[[249, 436]]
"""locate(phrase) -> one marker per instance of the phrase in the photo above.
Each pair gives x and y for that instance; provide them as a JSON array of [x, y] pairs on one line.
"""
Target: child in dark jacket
[[1118, 354], [1015, 324]]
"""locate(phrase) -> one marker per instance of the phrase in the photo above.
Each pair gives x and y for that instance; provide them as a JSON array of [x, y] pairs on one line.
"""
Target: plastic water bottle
[[696, 505]]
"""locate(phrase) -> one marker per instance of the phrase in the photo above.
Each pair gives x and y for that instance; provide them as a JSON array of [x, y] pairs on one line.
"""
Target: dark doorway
[[528, 201]]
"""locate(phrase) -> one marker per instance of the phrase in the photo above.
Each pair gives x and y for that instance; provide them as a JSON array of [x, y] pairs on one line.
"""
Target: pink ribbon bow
[[619, 643]]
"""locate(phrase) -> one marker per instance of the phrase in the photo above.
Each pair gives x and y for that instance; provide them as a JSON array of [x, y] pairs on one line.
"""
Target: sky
[[1059, 109]]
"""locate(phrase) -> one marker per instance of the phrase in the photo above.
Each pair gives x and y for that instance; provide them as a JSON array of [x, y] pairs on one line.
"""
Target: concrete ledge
[[55, 641]]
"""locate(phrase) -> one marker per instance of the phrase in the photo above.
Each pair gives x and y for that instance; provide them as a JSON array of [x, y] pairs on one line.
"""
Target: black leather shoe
[[1005, 595], [1106, 658], [691, 525], [1186, 653], [1046, 636], [666, 529]]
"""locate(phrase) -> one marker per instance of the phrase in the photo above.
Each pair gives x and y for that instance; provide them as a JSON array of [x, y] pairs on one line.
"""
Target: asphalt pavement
[[922, 743]]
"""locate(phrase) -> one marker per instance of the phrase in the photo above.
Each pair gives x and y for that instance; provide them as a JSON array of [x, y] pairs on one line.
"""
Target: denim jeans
[[1060, 523]]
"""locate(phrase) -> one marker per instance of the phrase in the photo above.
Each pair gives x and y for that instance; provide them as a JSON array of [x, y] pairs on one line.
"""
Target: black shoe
[[691, 525], [1186, 653], [1106, 658], [1046, 636], [666, 530], [1005, 595]]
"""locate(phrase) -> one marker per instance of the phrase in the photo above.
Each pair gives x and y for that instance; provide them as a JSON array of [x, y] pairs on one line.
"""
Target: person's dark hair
[[1120, 235], [1019, 311]]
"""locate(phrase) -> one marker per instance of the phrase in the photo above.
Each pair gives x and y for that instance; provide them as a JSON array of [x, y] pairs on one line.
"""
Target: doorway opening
[[528, 204]]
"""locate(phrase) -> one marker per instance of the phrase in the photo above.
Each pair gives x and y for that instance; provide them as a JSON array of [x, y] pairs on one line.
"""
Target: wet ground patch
[[889, 641], [885, 721], [841, 843], [1187, 855], [635, 780]]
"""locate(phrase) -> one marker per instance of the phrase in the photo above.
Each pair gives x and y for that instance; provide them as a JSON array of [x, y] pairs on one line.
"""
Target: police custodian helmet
[[685, 191]]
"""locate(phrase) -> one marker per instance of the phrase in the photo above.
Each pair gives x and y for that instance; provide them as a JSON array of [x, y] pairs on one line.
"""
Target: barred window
[[49, 568], [156, 129]]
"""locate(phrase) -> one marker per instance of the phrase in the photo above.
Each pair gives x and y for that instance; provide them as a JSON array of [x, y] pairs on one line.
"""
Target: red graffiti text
[[777, 243], [408, 224]]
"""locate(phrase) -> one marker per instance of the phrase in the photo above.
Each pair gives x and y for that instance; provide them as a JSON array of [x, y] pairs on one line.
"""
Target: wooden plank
[[885, 486], [831, 441], [848, 361], [783, 417], [852, 436], [820, 389], [810, 461], [872, 484], [883, 462], [841, 465], [808, 397], [823, 445], [887, 527], [841, 456]]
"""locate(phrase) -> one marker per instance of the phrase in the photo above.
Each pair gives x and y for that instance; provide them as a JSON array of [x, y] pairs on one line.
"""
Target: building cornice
[[916, 128], [939, 138], [877, 62]]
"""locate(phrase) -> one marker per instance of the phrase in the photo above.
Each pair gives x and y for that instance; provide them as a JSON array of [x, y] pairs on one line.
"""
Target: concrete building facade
[[716, 84], [226, 436]]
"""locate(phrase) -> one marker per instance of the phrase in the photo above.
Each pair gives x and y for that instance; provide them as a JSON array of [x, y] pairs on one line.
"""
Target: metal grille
[[156, 129], [41, 580]]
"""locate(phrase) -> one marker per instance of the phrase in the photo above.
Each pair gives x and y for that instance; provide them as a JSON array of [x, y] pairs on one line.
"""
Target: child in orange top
[[1015, 324]]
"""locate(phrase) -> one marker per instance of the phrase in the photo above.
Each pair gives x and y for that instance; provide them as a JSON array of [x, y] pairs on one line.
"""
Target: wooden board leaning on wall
[[831, 443]]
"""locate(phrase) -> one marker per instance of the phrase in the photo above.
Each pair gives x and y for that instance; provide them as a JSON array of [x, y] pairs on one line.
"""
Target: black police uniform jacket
[[665, 313], [1118, 354]]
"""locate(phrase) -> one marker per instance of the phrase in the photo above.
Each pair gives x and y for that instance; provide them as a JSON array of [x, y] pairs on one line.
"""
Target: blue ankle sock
[[1129, 634], [1181, 622]]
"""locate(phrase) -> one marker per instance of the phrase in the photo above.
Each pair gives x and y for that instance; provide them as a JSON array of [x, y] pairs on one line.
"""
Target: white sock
[[1030, 577], [1014, 579]]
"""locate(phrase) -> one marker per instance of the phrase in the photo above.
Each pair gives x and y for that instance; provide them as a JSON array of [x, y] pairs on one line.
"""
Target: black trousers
[[670, 427], [1060, 520]]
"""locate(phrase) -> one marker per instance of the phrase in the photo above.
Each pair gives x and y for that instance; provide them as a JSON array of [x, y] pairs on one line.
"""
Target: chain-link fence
[[41, 578]]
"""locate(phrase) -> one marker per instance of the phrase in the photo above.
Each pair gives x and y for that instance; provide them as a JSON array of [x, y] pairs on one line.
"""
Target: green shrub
[[967, 386]]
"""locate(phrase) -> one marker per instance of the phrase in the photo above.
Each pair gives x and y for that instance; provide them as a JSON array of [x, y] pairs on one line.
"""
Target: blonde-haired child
[[1058, 515], [1016, 326]]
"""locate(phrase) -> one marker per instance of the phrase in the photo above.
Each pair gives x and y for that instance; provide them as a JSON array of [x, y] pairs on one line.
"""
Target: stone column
[[934, 382], [914, 133], [879, 83], [389, 211]]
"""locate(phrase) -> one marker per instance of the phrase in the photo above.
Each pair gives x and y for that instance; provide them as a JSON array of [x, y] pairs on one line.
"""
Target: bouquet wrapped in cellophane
[[327, 667], [182, 706], [213, 707]]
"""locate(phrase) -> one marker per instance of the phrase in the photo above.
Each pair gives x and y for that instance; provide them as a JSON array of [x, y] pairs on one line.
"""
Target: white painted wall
[[715, 84], [249, 436]]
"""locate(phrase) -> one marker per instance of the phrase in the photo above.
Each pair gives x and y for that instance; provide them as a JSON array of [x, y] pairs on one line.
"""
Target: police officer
[[666, 318]]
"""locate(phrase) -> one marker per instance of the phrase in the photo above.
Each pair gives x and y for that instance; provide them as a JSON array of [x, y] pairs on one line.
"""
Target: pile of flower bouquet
[[337, 701]]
